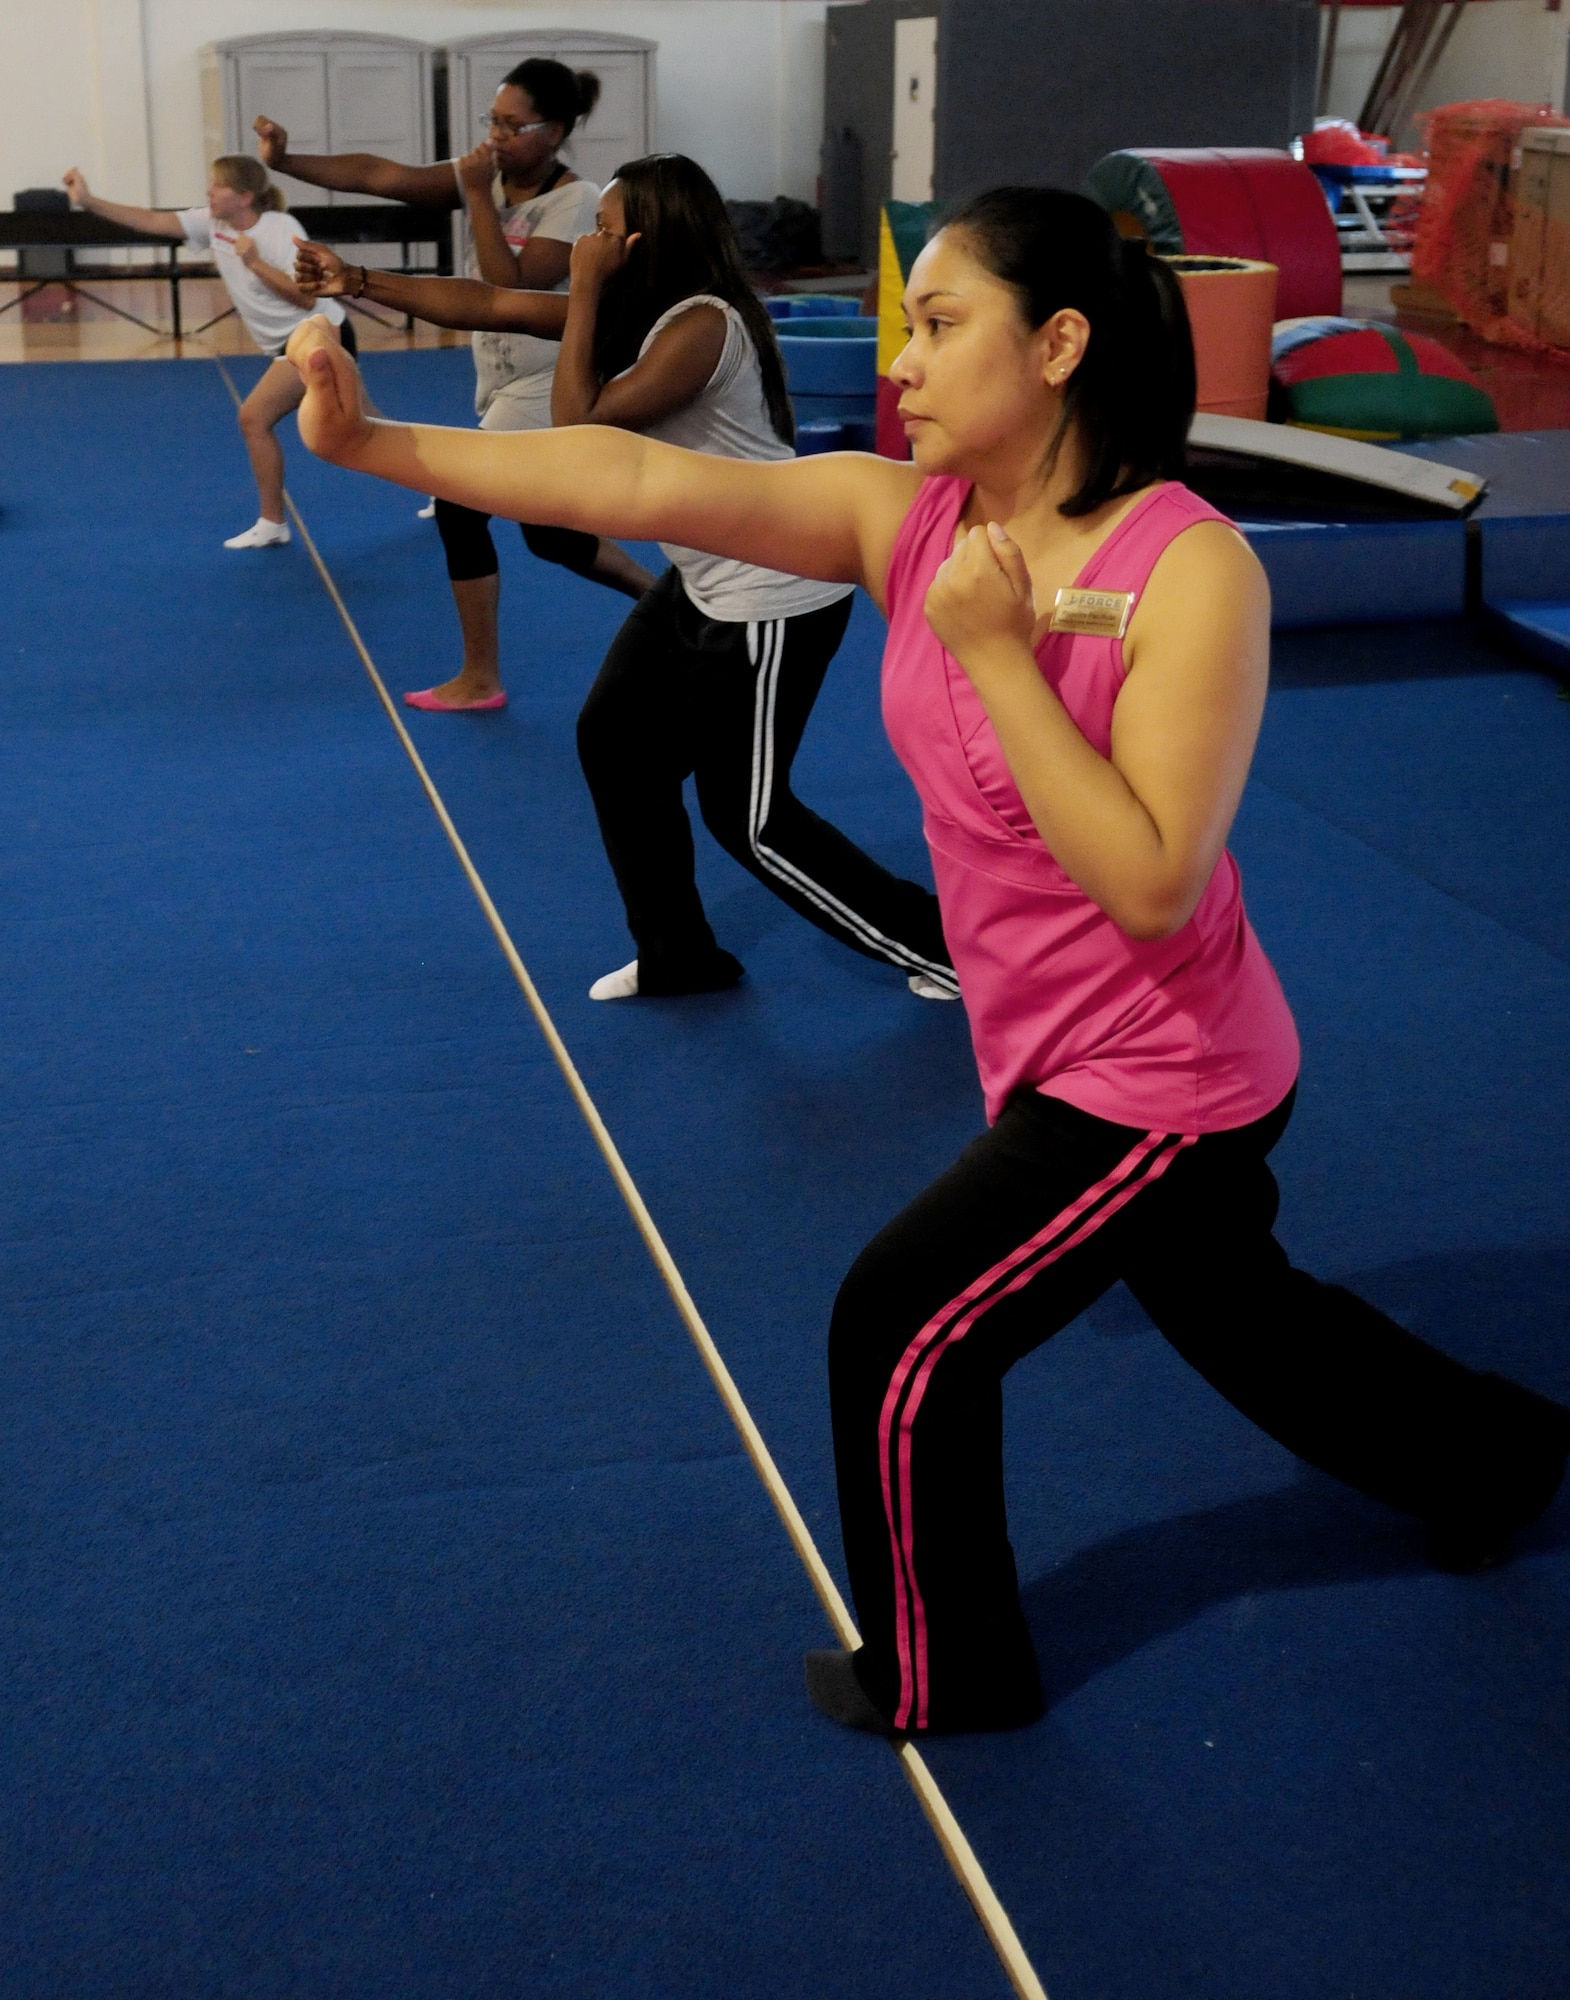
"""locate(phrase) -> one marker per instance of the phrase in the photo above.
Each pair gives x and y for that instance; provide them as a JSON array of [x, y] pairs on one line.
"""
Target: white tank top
[[729, 418]]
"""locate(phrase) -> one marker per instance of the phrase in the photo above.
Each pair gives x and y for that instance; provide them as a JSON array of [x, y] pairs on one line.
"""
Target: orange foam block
[[1231, 308]]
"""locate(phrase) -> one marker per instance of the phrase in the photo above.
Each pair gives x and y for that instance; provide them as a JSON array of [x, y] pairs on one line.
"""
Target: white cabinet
[[621, 126], [335, 93]]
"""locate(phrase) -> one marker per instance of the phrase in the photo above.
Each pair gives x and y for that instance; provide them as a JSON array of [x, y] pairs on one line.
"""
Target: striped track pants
[[1027, 1229], [683, 694]]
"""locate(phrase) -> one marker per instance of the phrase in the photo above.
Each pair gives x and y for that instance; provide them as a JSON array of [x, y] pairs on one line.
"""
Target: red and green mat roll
[[1241, 201]]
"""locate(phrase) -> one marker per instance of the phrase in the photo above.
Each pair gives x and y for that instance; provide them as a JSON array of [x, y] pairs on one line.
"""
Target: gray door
[[373, 102], [618, 129], [293, 90]]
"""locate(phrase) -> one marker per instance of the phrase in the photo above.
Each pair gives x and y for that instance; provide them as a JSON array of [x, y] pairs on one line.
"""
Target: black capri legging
[[466, 537]]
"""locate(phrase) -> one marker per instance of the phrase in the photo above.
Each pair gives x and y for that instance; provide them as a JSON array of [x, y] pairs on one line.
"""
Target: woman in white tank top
[[716, 670]]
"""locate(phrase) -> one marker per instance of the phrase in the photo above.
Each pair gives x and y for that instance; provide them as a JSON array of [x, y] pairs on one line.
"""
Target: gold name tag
[[1099, 614]]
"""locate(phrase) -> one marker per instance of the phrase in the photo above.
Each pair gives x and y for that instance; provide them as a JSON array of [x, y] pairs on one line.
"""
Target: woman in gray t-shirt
[[525, 206]]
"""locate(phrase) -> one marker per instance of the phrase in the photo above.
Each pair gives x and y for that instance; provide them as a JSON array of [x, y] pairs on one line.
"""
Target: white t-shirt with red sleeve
[[269, 319]]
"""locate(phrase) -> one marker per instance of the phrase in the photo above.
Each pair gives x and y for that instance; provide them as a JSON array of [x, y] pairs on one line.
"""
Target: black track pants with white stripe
[[1032, 1223], [683, 694]]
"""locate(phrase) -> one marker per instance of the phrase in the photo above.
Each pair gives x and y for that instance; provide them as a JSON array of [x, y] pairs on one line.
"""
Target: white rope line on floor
[[950, 1835]]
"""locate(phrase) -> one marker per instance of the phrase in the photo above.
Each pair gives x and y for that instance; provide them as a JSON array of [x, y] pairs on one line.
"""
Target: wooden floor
[[57, 324]]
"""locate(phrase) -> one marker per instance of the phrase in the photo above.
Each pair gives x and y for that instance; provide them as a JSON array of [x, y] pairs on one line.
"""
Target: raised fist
[[477, 169], [272, 142], [333, 422]]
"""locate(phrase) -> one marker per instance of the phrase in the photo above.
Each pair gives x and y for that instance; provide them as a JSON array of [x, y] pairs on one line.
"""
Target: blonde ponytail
[[248, 176]]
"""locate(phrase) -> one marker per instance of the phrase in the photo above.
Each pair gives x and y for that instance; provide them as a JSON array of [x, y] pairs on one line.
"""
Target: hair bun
[[560, 96]]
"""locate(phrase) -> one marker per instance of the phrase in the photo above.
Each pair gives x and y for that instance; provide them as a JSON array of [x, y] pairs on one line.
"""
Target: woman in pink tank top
[[1074, 678]]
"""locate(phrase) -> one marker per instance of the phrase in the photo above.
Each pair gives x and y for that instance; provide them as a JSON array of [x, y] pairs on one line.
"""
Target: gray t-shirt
[[729, 418], [512, 388]]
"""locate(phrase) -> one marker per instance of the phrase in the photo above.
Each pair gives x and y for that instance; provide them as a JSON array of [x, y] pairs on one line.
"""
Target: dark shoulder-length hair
[[1131, 399], [686, 244]]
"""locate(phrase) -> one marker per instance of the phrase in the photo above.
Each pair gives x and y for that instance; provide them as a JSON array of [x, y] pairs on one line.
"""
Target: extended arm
[[460, 302], [150, 221], [357, 173], [834, 516], [1140, 831]]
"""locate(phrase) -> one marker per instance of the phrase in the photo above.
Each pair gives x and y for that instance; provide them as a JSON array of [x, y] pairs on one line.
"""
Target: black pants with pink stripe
[[1030, 1225]]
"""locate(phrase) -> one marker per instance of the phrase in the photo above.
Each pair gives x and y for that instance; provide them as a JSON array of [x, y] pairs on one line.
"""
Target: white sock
[[929, 989], [619, 985], [263, 534]]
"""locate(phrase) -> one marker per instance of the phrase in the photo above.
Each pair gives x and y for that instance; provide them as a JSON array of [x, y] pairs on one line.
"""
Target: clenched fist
[[598, 256], [272, 142], [332, 420], [477, 169], [980, 601], [319, 271]]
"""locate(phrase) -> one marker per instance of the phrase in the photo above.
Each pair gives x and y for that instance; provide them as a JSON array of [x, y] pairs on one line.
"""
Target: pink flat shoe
[[428, 698]]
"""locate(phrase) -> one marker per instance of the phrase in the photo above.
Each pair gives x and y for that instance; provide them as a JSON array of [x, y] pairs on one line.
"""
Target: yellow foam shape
[[891, 295]]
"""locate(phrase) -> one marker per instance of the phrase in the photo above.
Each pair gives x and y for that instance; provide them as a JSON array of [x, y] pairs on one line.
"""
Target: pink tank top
[[1189, 1033]]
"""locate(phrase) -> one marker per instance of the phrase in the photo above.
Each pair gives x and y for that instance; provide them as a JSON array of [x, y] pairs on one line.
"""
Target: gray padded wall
[[858, 121], [1039, 90]]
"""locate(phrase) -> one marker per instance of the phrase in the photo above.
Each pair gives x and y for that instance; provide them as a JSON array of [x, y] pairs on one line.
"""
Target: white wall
[[72, 94], [111, 85], [1504, 48]]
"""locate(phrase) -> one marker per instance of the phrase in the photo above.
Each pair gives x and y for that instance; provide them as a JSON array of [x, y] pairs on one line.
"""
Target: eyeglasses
[[490, 123]]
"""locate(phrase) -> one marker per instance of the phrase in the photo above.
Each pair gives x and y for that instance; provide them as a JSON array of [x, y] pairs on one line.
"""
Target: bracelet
[[359, 292]]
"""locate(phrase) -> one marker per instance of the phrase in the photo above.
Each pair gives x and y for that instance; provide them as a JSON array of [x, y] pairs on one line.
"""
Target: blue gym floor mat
[[1523, 520], [389, 1607], [1541, 629], [1515, 543], [1344, 572], [1282, 1755]]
